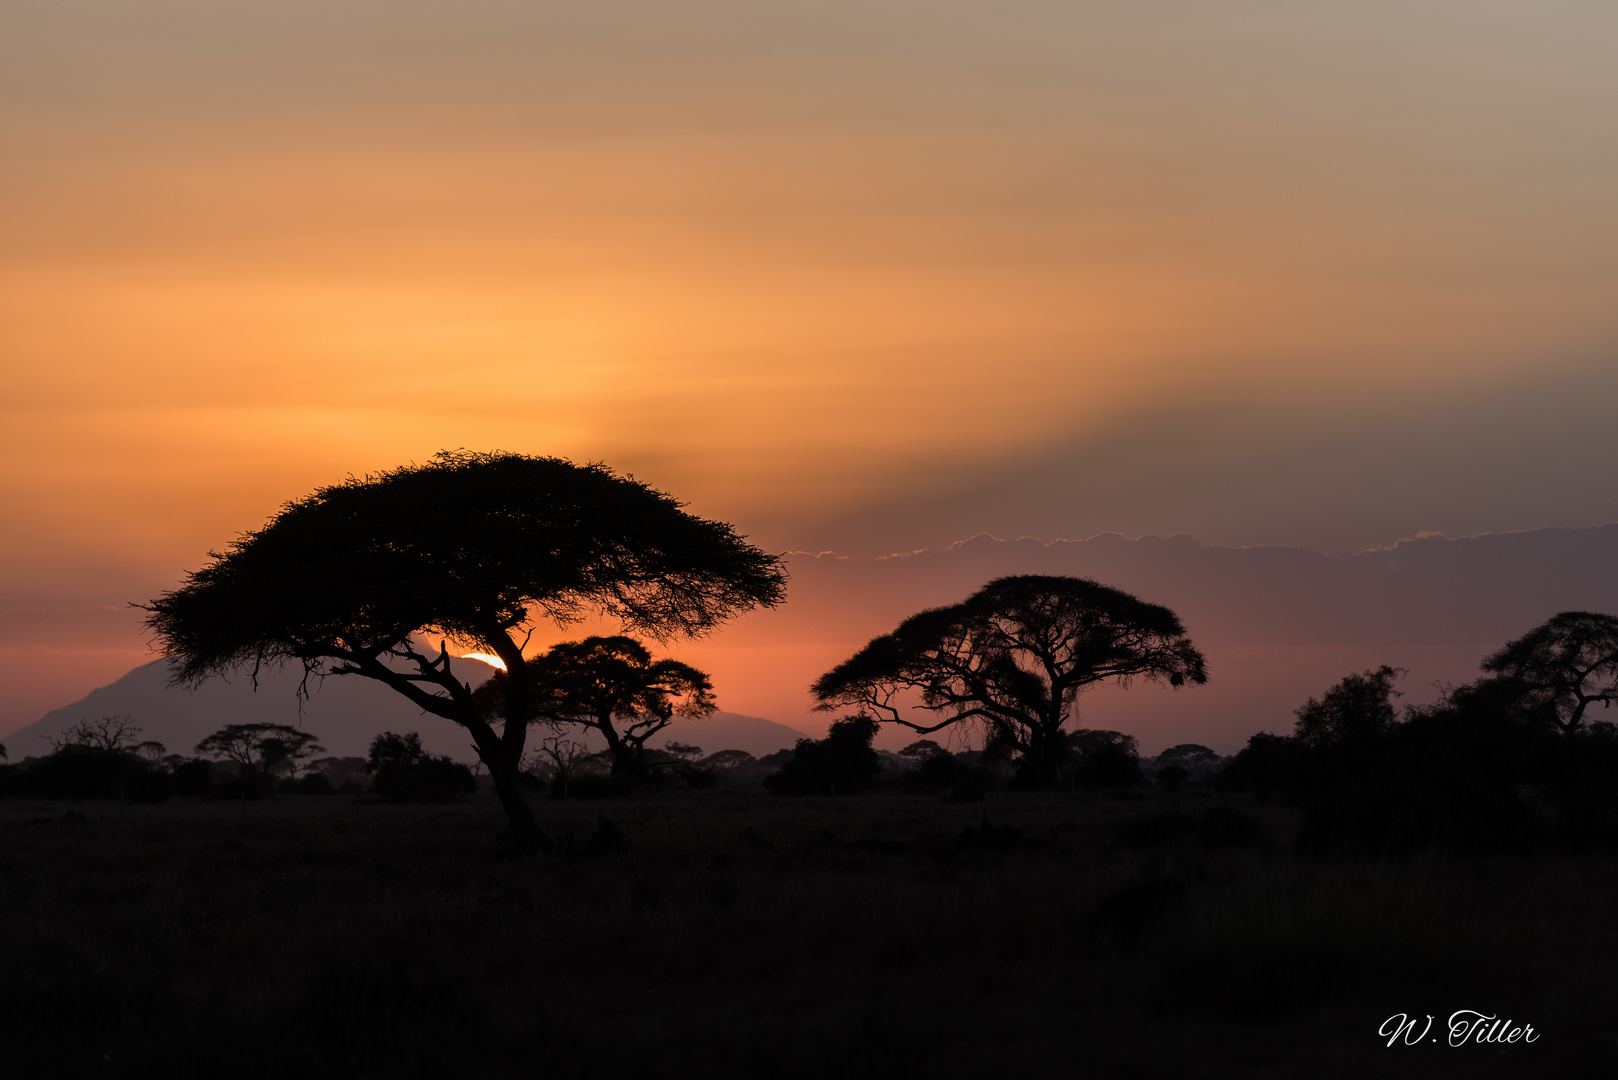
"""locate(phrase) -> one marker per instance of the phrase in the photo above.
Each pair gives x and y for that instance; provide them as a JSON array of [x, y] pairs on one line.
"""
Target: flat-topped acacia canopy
[[1013, 657], [471, 547]]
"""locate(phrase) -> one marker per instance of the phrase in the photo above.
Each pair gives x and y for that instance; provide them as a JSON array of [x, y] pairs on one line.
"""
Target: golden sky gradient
[[869, 276]]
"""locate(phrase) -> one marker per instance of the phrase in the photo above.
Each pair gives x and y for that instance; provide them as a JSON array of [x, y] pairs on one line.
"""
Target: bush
[[193, 778], [405, 772], [841, 763], [1108, 759], [77, 771], [1268, 766], [1480, 771], [938, 768]]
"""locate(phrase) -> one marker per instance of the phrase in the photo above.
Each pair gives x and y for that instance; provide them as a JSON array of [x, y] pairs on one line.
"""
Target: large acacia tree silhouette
[[1014, 656], [470, 548], [1562, 666]]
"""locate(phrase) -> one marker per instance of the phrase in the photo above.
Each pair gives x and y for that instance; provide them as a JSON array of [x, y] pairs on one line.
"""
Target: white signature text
[[1464, 1026]]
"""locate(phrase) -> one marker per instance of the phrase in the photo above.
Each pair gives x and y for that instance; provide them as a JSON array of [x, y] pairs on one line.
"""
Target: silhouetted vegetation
[[270, 749], [1509, 762], [841, 763], [1108, 759], [404, 772], [613, 686], [90, 772], [936, 767], [468, 548], [100, 760], [1012, 659], [93, 759], [1559, 669], [1087, 906]]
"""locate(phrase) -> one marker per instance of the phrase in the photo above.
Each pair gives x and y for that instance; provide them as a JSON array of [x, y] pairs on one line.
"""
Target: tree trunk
[[519, 815], [1047, 757], [504, 761], [625, 761]]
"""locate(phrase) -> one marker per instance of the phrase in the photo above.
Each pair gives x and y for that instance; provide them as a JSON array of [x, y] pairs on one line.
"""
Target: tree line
[[474, 549], [105, 758]]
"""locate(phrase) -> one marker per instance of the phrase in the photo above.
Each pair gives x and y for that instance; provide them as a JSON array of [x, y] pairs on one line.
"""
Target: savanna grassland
[[728, 933]]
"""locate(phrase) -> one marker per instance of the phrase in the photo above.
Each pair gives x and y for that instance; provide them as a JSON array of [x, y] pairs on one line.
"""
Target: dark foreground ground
[[717, 934]]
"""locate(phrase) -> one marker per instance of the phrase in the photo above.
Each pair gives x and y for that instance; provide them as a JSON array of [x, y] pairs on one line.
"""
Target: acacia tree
[[1013, 657], [261, 746], [558, 758], [470, 548], [613, 685], [112, 734], [1563, 666]]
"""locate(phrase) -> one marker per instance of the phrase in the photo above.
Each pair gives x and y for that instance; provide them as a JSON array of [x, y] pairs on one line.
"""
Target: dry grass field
[[730, 934]]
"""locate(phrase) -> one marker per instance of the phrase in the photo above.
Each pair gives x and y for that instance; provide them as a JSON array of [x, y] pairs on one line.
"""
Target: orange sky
[[869, 276]]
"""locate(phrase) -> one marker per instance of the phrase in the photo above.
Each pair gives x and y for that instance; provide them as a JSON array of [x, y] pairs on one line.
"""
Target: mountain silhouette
[[346, 713]]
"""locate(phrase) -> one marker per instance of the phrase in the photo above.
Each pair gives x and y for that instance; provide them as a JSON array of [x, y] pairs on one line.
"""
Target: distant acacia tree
[[470, 548], [921, 750], [114, 734], [1562, 667], [1014, 657], [1194, 758], [682, 752], [721, 760], [265, 747], [613, 685]]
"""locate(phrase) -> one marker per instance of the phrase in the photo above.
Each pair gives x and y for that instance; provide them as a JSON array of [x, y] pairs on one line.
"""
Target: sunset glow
[[1039, 538], [861, 277]]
